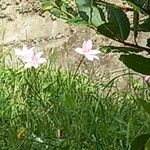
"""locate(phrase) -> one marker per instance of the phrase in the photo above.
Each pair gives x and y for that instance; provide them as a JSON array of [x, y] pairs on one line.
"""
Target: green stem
[[134, 46], [68, 14], [126, 43]]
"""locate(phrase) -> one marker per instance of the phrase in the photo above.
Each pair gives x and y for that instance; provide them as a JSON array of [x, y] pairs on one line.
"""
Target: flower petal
[[94, 52], [28, 65], [29, 53], [24, 48], [39, 54], [91, 57], [96, 57], [29, 57], [84, 46], [89, 44], [36, 65], [41, 60], [146, 78], [79, 50], [18, 52]]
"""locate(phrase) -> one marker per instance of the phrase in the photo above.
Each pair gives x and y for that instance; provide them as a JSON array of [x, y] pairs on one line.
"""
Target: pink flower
[[29, 57], [87, 51], [147, 79]]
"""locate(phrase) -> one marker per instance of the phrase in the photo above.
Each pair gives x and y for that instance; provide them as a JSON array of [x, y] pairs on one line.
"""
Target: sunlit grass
[[48, 109]]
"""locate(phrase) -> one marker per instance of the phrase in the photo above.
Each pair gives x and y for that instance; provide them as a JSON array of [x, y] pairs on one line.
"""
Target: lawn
[[49, 108]]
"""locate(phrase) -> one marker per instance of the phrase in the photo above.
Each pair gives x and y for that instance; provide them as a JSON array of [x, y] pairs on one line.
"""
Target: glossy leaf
[[108, 49], [46, 5], [120, 19], [137, 63], [145, 26], [56, 12], [148, 42], [76, 21], [118, 26], [140, 5], [109, 30], [90, 13], [135, 24], [59, 3]]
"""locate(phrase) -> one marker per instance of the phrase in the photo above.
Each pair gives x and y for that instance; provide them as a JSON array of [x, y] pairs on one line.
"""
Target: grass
[[49, 109]]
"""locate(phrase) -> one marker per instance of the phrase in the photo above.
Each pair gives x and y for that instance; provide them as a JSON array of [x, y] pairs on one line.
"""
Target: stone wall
[[21, 21]]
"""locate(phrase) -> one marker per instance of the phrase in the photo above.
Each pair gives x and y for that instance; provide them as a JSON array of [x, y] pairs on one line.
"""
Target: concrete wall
[[21, 21]]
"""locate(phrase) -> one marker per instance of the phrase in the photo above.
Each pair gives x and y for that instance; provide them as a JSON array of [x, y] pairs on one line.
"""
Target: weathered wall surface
[[21, 21]]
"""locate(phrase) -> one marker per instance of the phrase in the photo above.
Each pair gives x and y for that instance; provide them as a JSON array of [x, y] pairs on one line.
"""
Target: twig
[[134, 45]]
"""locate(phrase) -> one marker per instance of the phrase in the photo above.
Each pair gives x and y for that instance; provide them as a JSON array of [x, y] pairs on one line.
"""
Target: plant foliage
[[112, 21]]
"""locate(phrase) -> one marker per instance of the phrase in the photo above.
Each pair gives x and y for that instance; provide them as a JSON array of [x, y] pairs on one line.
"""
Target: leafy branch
[[112, 21]]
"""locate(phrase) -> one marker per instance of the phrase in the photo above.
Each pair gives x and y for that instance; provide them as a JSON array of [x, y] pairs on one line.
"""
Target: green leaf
[[148, 42], [145, 27], [114, 49], [56, 12], [121, 21], [137, 63], [76, 21], [46, 5], [139, 5], [135, 24], [139, 142], [145, 105], [97, 16], [59, 3], [109, 30], [90, 13]]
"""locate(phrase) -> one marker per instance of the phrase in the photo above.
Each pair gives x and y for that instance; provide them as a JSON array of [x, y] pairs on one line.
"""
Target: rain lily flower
[[87, 51], [147, 79], [24, 52], [29, 57]]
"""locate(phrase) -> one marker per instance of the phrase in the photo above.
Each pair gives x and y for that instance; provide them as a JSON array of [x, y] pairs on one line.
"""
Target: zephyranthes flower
[[30, 57], [147, 79], [87, 51]]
